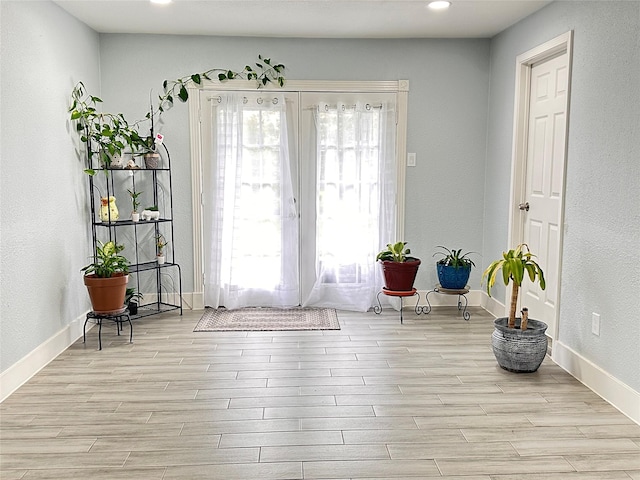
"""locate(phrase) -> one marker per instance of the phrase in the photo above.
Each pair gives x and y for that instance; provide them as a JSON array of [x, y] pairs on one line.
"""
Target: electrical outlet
[[411, 159], [595, 324]]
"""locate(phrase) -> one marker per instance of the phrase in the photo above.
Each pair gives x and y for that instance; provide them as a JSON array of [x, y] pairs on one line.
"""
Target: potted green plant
[[135, 215], [105, 134], [106, 279], [160, 244], [149, 151], [398, 268], [131, 298], [109, 134], [519, 344], [453, 268]]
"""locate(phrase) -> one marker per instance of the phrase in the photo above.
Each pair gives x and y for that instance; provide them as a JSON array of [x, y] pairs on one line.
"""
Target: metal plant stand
[[392, 293], [118, 318], [162, 281], [462, 295]]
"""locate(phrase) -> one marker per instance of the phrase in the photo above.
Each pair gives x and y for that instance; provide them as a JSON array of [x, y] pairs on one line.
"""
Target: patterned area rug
[[265, 319]]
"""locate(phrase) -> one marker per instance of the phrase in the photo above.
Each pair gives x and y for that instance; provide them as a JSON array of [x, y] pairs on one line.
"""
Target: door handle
[[524, 206]]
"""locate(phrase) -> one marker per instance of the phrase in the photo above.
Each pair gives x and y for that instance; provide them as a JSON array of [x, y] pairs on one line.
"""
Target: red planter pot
[[107, 294], [399, 276]]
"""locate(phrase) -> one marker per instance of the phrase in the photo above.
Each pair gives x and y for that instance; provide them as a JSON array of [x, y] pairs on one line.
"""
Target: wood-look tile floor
[[375, 399]]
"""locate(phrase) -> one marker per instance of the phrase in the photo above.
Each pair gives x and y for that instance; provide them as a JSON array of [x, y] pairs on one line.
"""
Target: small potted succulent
[[519, 344], [398, 268], [160, 244], [106, 279], [135, 215], [453, 268]]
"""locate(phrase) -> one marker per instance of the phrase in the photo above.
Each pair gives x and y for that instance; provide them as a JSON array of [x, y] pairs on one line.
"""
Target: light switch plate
[[595, 324], [411, 159]]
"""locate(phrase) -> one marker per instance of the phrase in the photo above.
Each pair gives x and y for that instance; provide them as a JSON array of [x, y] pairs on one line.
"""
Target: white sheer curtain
[[355, 201], [250, 219]]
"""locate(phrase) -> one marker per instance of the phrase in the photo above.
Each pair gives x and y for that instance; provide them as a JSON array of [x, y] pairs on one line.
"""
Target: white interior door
[[544, 184]]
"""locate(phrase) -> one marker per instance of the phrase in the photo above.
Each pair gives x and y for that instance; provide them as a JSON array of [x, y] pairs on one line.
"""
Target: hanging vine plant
[[109, 134], [265, 73]]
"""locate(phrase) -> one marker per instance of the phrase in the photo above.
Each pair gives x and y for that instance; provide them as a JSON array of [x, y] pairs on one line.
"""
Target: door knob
[[524, 206]]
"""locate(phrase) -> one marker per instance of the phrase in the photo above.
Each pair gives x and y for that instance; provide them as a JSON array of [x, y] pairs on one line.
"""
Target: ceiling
[[303, 18]]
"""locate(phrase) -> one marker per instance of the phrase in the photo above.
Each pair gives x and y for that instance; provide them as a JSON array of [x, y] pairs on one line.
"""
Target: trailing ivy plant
[[265, 73], [109, 134]]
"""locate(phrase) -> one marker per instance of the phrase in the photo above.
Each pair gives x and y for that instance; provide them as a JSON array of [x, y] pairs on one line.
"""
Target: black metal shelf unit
[[160, 284]]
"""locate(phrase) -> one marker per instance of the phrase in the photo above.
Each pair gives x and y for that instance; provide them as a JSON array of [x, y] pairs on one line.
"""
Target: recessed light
[[161, 2], [439, 5]]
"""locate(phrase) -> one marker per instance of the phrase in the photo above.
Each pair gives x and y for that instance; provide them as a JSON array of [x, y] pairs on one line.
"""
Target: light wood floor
[[375, 399]]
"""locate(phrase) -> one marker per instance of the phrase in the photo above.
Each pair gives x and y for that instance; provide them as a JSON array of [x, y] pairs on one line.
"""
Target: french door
[[249, 195], [298, 194], [348, 196]]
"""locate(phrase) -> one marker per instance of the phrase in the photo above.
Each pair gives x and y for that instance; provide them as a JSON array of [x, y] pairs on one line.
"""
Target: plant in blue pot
[[453, 268]]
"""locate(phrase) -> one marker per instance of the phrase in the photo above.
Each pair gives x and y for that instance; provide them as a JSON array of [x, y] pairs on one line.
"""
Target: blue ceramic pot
[[453, 278]]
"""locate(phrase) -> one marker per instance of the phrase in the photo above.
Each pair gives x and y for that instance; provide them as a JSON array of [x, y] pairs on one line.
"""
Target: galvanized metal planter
[[516, 350]]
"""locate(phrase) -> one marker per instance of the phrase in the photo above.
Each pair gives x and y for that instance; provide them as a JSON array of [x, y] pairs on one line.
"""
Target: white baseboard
[[172, 298], [493, 306], [442, 300], [197, 299], [618, 394], [25, 368], [20, 372]]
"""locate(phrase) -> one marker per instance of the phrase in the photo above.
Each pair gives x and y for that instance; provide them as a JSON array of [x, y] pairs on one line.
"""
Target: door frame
[[399, 87], [524, 63]]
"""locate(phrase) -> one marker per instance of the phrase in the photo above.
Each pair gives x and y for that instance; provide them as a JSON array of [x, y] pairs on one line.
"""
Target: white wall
[[447, 117], [45, 239], [602, 231]]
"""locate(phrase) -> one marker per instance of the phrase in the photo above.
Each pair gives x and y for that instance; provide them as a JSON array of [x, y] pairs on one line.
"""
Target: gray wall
[[459, 136], [44, 230], [449, 81], [602, 212]]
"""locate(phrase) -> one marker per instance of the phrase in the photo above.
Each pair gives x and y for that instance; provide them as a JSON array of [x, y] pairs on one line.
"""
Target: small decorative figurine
[[131, 165], [108, 209]]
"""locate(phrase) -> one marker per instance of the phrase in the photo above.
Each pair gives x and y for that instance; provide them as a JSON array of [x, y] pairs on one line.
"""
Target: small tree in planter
[[453, 268], [135, 215], [398, 268], [518, 346]]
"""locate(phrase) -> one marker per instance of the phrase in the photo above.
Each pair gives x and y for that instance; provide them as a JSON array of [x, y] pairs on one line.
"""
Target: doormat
[[252, 319]]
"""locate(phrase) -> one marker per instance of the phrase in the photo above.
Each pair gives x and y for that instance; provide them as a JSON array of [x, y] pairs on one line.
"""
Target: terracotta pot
[[399, 276], [107, 294]]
